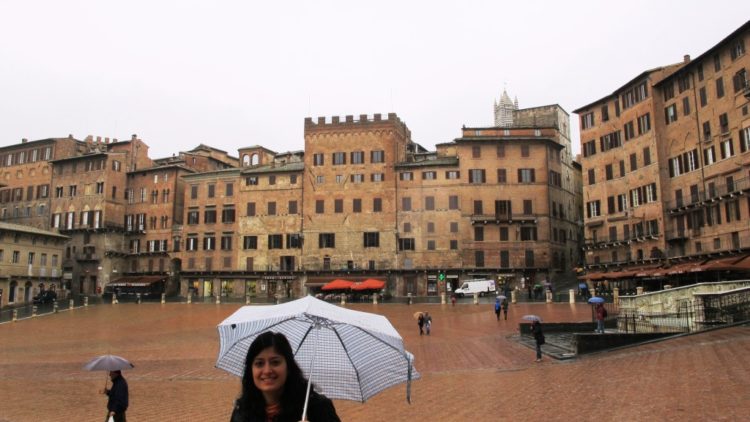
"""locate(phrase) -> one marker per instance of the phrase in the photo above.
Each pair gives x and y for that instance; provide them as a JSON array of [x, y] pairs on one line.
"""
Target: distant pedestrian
[[536, 331], [427, 322], [506, 290], [498, 307], [453, 299], [117, 403], [528, 288], [420, 322], [601, 313], [505, 309]]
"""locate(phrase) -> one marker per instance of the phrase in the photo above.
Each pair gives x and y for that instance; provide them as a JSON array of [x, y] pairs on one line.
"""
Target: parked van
[[470, 287]]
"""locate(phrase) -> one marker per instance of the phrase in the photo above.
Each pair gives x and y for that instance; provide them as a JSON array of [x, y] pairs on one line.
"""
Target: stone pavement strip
[[472, 369]]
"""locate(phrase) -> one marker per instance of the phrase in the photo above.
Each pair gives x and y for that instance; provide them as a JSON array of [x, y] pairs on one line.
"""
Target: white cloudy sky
[[239, 73]]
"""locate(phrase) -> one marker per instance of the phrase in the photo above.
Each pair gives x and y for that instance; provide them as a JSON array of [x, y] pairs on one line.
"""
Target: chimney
[[24, 140], [134, 137], [686, 58]]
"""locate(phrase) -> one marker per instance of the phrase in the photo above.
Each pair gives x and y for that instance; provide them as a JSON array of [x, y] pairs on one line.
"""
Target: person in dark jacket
[[536, 331], [273, 387], [117, 403]]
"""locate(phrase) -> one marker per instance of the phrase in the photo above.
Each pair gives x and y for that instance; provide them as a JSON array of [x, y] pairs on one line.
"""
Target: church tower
[[504, 110]]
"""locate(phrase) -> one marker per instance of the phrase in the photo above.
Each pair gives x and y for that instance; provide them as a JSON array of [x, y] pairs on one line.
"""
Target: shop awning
[[733, 263], [338, 284], [369, 284], [136, 281], [686, 267]]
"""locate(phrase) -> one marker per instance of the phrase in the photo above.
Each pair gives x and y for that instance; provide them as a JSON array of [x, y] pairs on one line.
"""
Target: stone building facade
[[30, 260], [666, 162]]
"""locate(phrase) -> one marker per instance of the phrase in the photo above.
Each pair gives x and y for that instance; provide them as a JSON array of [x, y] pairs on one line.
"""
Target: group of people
[[424, 321], [501, 304]]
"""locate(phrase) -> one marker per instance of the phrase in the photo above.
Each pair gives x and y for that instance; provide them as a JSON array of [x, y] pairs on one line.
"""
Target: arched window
[[245, 160], [255, 160]]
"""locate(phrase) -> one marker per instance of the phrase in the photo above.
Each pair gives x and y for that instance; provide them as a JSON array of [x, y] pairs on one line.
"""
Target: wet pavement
[[472, 367]]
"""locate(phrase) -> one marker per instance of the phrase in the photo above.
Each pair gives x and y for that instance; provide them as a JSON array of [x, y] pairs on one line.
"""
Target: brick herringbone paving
[[471, 369]]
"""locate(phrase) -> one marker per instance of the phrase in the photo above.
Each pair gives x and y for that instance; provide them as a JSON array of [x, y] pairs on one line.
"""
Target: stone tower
[[504, 110]]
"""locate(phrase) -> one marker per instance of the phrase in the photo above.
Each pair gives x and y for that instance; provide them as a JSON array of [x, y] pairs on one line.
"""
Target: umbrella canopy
[[583, 286], [357, 354], [338, 284], [501, 297], [531, 318], [418, 314], [108, 363], [369, 284], [596, 299]]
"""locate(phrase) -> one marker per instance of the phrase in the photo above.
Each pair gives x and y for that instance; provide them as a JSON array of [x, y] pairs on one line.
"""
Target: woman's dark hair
[[251, 401]]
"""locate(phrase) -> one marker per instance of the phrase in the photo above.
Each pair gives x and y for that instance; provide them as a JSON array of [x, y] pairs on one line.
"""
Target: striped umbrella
[[348, 354]]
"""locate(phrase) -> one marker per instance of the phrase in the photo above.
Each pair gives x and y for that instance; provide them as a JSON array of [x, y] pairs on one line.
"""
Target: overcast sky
[[237, 73]]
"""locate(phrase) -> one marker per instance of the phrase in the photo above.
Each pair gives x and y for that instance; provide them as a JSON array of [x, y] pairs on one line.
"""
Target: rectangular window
[[226, 242], [451, 175], [501, 151], [209, 243], [702, 96], [719, 87], [406, 176], [318, 159], [529, 258], [193, 192], [670, 114], [377, 177], [320, 206], [292, 207], [503, 234], [633, 162], [227, 214], [528, 233], [478, 233], [271, 180], [453, 202], [371, 240], [339, 158], [356, 205], [338, 206], [629, 130], [429, 203], [275, 241], [209, 216], [476, 176], [528, 207], [502, 176], [251, 209], [377, 205], [406, 204], [271, 208], [737, 49], [478, 207], [726, 148], [646, 156], [605, 113], [429, 175], [476, 152], [709, 155], [526, 176], [723, 123], [326, 240], [406, 244], [251, 181], [358, 178], [524, 150], [211, 190], [229, 189], [587, 120], [608, 173], [745, 139], [377, 156], [358, 157], [250, 242], [685, 106], [453, 227]]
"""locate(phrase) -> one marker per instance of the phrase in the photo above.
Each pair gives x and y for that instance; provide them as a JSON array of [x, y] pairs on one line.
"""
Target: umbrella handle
[[309, 379]]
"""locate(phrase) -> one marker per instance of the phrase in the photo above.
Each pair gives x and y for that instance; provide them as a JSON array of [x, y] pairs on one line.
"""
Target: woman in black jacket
[[273, 387]]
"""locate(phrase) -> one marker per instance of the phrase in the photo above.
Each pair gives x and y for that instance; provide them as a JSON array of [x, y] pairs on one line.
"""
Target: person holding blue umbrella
[[601, 313]]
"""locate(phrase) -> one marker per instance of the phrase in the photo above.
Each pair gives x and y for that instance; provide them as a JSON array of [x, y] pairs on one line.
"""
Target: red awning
[[736, 263], [686, 267], [369, 284], [338, 284]]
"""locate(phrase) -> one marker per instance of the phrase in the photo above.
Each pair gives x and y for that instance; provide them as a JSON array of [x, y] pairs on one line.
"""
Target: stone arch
[[13, 291], [245, 160]]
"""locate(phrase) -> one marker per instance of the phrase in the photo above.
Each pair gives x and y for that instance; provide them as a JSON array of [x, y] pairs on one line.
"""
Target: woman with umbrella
[[273, 387], [536, 331]]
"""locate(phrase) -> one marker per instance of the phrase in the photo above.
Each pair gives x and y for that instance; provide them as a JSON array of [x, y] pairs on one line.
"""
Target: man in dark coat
[[536, 331], [117, 403]]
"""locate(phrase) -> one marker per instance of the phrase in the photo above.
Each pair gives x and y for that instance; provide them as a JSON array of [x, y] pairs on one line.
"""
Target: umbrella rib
[[238, 341], [356, 371]]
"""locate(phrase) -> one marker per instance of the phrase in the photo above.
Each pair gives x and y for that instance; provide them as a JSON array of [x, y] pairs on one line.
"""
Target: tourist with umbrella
[[274, 388], [536, 331], [117, 402], [348, 354], [601, 313]]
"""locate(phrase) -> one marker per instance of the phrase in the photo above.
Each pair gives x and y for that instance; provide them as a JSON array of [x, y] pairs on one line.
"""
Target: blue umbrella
[[582, 285], [596, 299]]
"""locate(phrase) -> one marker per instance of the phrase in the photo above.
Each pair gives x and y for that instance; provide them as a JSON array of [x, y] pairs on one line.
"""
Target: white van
[[470, 287]]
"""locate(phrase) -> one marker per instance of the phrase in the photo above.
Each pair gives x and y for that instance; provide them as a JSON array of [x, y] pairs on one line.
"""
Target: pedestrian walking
[[453, 299], [498, 307], [427, 322], [420, 322], [505, 309], [536, 331], [601, 314], [117, 403]]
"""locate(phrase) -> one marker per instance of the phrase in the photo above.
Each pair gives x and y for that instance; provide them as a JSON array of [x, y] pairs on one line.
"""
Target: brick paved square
[[470, 369]]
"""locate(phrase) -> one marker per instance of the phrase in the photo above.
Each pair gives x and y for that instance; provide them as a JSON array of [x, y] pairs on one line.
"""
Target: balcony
[[708, 197], [503, 218], [81, 257], [603, 242]]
